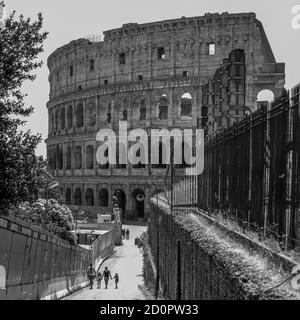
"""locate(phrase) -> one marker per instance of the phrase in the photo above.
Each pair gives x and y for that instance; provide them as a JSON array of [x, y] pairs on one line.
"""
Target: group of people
[[106, 276], [125, 233]]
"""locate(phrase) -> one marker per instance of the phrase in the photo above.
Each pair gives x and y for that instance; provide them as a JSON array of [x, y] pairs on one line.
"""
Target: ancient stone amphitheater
[[153, 75]]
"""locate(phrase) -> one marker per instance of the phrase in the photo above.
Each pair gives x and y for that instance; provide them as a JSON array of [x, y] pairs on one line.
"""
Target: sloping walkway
[[127, 261]]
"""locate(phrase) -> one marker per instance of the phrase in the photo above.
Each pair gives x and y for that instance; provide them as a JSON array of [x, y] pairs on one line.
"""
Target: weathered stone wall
[[94, 85], [212, 267]]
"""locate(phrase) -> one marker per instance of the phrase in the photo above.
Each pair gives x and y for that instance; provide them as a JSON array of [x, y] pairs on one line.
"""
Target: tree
[[21, 41]]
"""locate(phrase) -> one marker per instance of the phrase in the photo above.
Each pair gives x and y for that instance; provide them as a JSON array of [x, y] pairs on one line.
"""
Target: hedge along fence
[[195, 263], [35, 264]]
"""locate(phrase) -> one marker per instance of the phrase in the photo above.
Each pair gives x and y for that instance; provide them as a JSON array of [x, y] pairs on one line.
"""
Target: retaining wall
[[35, 264], [205, 264]]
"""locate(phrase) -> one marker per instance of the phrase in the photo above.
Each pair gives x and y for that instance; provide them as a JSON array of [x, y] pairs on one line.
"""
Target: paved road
[[127, 261]]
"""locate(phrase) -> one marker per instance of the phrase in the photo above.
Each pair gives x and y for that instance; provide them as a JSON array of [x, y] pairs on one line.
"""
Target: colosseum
[[162, 74]]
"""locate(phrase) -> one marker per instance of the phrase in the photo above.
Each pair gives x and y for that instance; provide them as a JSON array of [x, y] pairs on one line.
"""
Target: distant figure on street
[[106, 276], [91, 274], [123, 233], [99, 279], [127, 234], [116, 277]]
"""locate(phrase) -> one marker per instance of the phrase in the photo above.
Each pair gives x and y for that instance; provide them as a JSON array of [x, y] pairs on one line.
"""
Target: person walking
[[91, 274], [116, 277], [127, 234], [106, 276], [99, 279]]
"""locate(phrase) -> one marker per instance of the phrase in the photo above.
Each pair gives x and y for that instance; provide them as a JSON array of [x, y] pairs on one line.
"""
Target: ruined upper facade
[[151, 75]]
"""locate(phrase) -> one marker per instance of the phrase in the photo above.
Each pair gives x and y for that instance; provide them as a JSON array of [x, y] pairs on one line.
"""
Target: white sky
[[66, 20]]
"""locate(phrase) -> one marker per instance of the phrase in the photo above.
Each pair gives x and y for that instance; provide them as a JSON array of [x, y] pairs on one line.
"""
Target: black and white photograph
[[149, 151]]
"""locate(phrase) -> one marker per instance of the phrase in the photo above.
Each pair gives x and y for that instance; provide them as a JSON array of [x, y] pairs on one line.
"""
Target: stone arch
[[91, 114], [103, 197], [106, 165], [186, 103], [69, 158], [142, 109], [56, 119], [79, 115], [62, 118], [121, 196], [78, 157], [163, 107], [89, 197], [90, 157], [70, 116], [68, 196], [138, 202], [264, 99], [60, 157], [78, 197], [108, 113]]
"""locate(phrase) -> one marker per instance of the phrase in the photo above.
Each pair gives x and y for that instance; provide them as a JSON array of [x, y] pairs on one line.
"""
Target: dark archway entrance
[[138, 196]]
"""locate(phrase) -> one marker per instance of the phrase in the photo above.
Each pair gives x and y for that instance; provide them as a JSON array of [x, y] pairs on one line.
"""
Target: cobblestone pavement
[[127, 261]]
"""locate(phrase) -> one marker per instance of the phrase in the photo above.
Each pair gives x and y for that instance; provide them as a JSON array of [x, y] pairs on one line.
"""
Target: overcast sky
[[66, 20]]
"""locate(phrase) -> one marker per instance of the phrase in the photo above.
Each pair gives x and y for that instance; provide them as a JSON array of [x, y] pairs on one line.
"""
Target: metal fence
[[252, 173], [32, 258]]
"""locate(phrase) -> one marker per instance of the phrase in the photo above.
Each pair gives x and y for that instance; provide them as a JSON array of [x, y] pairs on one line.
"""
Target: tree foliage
[[21, 41], [49, 215]]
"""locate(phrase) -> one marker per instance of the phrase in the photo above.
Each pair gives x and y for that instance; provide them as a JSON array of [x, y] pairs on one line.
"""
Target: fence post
[[178, 291], [250, 171], [289, 173], [267, 171]]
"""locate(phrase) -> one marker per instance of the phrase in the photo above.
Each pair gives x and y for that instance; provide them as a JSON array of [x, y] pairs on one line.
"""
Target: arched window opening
[[89, 197], [92, 65], [54, 157], [79, 116], [56, 119], [90, 157], [68, 196], [264, 99], [70, 117], [108, 119], [163, 108], [140, 165], [60, 157], [103, 198], [78, 157], [138, 196], [143, 110], [68, 158], [62, 118], [105, 166], [124, 115], [78, 197], [186, 105], [91, 115]]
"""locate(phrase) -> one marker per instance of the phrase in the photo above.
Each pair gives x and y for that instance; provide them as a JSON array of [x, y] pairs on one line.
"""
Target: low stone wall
[[199, 261]]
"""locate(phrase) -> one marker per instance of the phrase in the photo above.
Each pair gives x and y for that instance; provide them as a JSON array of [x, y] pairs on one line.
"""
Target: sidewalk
[[127, 261]]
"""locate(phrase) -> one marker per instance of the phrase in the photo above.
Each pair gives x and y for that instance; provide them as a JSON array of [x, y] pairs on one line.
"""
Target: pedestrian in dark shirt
[[106, 276]]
